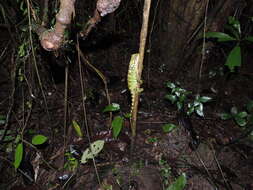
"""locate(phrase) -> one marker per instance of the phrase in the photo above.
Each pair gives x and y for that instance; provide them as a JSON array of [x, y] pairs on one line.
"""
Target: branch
[[52, 39]]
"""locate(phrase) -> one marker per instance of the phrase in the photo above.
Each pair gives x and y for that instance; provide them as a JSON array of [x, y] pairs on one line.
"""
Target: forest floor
[[157, 158]]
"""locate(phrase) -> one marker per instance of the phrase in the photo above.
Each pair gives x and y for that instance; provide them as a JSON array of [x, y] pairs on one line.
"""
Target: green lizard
[[132, 78]]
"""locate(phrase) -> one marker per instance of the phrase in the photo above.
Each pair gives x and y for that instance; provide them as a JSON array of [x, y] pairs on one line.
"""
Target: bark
[[184, 18], [52, 39]]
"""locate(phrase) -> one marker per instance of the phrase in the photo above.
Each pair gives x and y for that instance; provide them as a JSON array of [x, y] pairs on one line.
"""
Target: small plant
[[19, 151], [71, 163], [165, 171], [152, 139], [179, 95], [234, 58], [118, 121], [241, 118]]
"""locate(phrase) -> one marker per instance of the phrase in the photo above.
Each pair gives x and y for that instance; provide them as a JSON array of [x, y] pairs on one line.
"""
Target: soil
[[217, 162]]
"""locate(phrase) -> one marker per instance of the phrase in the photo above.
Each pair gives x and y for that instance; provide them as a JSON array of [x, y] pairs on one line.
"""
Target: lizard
[[132, 79]]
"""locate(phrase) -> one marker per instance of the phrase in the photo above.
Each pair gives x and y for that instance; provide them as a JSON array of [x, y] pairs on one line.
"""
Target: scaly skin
[[133, 83]]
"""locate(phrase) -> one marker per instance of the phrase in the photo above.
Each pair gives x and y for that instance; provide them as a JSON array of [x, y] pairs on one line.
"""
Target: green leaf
[[77, 128], [178, 91], [18, 155], [172, 98], [127, 115], [242, 114], [225, 116], [235, 23], [167, 128], [240, 121], [182, 98], [190, 109], [179, 105], [199, 110], [222, 37], [117, 124], [152, 139], [250, 106], [233, 31], [234, 58], [205, 99], [171, 85], [39, 139], [249, 38], [179, 184], [92, 151], [196, 103], [112, 107]]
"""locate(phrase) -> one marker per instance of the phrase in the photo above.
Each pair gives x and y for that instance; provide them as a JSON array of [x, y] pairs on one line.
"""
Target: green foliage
[[77, 129], [197, 105], [167, 128], [106, 186], [178, 96], [241, 118], [71, 163], [92, 151], [112, 108], [234, 58], [165, 171], [221, 37], [117, 124], [19, 150], [152, 139], [18, 155], [118, 121], [39, 139], [179, 184]]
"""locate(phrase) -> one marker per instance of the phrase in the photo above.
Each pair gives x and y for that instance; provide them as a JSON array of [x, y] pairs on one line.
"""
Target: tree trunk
[[182, 24]]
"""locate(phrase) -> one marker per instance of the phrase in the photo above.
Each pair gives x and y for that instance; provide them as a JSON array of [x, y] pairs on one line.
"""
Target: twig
[[143, 38], [34, 147], [35, 62], [84, 108], [45, 14], [6, 125], [203, 53], [65, 103], [100, 75]]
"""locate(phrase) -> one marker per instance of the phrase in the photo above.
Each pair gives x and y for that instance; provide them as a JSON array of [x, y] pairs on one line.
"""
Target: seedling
[[118, 121], [165, 171], [241, 118], [19, 151], [179, 95], [71, 163]]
